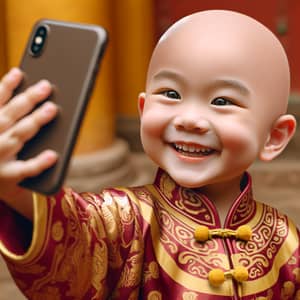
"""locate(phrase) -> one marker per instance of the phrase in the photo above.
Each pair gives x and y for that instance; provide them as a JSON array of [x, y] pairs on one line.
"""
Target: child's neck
[[223, 195]]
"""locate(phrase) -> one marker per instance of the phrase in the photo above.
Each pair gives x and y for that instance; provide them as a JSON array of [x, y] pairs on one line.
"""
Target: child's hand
[[18, 124]]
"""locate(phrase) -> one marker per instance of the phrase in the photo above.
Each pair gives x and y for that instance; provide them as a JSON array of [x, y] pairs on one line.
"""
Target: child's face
[[204, 116]]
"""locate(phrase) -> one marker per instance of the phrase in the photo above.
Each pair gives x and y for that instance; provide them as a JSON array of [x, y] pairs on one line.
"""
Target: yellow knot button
[[240, 274], [202, 233], [244, 233], [217, 276]]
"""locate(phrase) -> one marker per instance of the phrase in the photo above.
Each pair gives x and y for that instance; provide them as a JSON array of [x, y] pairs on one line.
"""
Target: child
[[216, 98]]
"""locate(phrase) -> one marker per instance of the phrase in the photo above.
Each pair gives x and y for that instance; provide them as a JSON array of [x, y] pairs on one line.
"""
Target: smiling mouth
[[192, 150]]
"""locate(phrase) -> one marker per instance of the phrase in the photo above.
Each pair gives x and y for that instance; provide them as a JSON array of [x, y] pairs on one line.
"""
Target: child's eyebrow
[[232, 83], [167, 74], [218, 83]]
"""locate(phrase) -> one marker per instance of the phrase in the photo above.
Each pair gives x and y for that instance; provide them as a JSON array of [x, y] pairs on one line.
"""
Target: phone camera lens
[[38, 41], [42, 31]]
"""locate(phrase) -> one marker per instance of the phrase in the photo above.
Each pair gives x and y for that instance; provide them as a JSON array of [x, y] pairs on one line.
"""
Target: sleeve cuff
[[40, 213]]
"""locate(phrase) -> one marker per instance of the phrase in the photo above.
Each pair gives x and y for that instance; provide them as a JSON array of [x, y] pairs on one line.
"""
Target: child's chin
[[187, 182]]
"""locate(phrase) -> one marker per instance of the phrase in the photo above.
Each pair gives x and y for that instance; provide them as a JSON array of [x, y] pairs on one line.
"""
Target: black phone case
[[69, 59]]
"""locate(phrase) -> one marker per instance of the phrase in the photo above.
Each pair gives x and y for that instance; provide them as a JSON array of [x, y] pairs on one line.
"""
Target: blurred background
[[108, 151]]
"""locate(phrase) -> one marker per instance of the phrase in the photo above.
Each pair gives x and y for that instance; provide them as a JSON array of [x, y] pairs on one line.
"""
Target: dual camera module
[[38, 40]]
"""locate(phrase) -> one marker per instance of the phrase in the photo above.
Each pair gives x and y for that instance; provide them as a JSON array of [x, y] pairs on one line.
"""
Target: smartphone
[[68, 55]]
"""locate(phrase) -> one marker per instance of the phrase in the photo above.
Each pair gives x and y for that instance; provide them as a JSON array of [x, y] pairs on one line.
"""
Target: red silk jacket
[[140, 243]]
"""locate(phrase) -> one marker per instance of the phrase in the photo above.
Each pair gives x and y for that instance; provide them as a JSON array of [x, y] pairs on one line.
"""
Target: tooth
[[191, 148], [205, 151]]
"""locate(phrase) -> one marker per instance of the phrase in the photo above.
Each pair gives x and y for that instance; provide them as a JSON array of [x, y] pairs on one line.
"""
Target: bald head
[[217, 80], [232, 44]]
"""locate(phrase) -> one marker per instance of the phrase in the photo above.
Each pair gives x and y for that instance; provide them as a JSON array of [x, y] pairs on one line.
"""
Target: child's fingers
[[17, 170], [8, 84], [27, 127], [12, 141], [23, 103]]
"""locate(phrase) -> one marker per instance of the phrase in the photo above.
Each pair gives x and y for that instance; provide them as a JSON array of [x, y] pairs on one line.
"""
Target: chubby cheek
[[241, 141], [154, 120], [152, 130]]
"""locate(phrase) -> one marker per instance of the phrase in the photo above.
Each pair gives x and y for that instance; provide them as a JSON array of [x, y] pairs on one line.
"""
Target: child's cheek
[[241, 138], [154, 121]]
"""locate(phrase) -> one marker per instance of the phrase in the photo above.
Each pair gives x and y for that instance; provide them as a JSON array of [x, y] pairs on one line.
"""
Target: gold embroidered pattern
[[244, 211], [189, 296], [154, 295], [287, 290], [143, 195], [112, 227], [151, 271], [178, 239], [167, 185], [132, 267], [99, 265], [257, 255], [296, 272], [187, 201], [73, 252], [131, 274], [194, 204], [57, 231]]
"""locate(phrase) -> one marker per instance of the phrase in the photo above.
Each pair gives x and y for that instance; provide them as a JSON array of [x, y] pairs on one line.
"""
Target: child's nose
[[192, 122]]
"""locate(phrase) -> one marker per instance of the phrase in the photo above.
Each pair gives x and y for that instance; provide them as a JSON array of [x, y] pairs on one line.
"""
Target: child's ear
[[141, 102], [281, 133]]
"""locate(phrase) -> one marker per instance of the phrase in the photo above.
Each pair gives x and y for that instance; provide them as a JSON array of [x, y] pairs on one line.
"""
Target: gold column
[[98, 128], [134, 39], [134, 30], [3, 66]]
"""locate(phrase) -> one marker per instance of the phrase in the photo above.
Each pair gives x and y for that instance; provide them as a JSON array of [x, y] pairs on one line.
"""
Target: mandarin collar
[[196, 206]]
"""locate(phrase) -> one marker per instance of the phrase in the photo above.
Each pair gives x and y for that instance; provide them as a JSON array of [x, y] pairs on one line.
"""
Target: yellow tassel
[[216, 277]]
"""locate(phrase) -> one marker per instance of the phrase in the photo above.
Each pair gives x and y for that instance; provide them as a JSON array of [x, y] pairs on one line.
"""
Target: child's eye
[[170, 94], [221, 101]]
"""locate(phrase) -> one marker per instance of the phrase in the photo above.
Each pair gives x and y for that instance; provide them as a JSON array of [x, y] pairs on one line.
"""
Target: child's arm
[[83, 246], [18, 123]]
